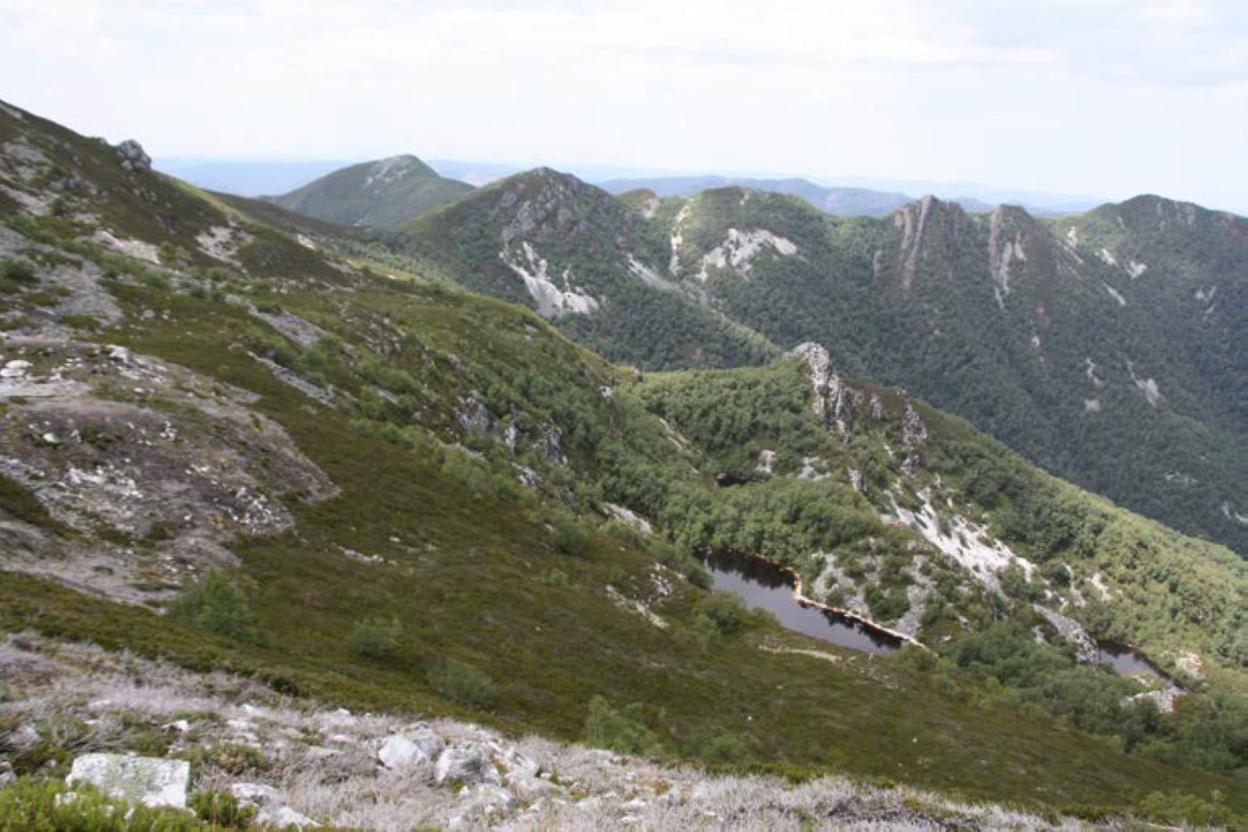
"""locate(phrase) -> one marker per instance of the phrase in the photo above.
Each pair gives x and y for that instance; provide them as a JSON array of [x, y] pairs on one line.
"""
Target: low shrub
[[463, 683], [221, 810], [375, 638], [218, 604], [623, 731], [31, 805], [570, 538]]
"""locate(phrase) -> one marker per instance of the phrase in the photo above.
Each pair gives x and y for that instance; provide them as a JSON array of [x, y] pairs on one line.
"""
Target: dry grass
[[323, 763]]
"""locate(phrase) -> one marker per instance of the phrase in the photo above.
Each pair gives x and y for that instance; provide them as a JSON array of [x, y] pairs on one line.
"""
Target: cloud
[[920, 88]]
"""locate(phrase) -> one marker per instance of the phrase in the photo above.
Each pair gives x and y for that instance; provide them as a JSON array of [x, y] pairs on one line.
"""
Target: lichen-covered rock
[[464, 763], [147, 780]]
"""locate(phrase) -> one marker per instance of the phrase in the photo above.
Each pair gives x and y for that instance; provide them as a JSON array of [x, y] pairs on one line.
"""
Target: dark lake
[[763, 585], [1124, 661]]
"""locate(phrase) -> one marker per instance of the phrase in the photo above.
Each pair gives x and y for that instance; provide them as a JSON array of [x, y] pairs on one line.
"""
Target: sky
[[1102, 97]]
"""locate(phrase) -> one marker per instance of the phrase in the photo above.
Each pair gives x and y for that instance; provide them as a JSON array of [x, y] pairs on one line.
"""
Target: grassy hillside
[[444, 467]]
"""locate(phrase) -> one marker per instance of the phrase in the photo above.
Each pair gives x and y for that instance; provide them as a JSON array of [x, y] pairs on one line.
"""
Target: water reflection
[[762, 585]]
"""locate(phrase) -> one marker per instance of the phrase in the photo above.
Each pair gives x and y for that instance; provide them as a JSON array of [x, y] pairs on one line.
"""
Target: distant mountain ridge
[[378, 194], [846, 202]]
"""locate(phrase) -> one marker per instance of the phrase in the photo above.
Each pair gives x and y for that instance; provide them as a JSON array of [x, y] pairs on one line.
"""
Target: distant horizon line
[[598, 173]]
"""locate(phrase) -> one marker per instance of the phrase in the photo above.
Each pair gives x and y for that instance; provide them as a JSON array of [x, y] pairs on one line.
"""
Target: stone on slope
[[147, 780], [464, 764], [410, 747]]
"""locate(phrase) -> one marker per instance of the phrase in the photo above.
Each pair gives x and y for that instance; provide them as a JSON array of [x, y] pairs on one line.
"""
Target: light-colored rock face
[[628, 517], [740, 248], [649, 276], [1115, 294], [1002, 253], [966, 543], [1147, 386], [677, 239], [552, 301], [147, 780], [222, 242], [386, 172], [131, 248]]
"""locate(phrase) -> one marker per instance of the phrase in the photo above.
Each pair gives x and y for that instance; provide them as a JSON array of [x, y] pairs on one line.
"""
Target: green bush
[[221, 810], [1184, 809], [725, 747], [721, 613], [463, 683], [375, 638], [570, 538], [623, 731], [218, 604]]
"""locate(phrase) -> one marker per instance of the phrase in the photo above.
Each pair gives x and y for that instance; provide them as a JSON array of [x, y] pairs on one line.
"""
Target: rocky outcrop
[[320, 766], [133, 157], [833, 400], [913, 437], [132, 445]]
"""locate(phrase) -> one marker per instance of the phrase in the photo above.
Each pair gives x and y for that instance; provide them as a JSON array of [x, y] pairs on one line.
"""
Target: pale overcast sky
[[1104, 97]]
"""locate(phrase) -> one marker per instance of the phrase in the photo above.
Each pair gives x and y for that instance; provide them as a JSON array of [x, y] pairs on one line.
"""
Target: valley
[[460, 469]]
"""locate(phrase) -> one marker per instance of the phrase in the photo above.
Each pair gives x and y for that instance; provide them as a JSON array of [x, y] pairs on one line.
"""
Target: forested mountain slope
[[1108, 347], [415, 498], [584, 260]]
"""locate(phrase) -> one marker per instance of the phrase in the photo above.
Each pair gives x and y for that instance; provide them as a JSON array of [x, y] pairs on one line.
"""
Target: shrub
[[555, 577], [232, 758], [49, 806], [1178, 808], [721, 613], [725, 747], [18, 270], [218, 604], [570, 538], [699, 576], [375, 638], [463, 683], [222, 810], [622, 731]]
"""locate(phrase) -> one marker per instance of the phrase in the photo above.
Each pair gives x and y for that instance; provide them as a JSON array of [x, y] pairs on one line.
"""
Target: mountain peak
[[382, 193]]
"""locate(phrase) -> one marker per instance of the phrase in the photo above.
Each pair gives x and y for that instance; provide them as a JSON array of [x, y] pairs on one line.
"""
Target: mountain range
[[469, 465], [1106, 346]]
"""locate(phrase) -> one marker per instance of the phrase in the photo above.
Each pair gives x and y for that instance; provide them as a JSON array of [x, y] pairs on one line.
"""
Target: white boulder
[[148, 780]]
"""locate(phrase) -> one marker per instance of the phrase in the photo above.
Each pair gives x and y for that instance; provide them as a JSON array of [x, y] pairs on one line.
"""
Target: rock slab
[[147, 780]]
